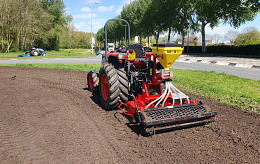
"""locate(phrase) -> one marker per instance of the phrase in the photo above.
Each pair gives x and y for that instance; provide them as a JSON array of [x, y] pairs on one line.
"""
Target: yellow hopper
[[167, 53]]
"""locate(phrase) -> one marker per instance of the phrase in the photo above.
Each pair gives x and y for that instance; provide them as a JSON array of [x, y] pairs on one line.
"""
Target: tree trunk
[[203, 51], [140, 39], [18, 41], [8, 47], [183, 38], [2, 32], [157, 37], [169, 35], [2, 37]]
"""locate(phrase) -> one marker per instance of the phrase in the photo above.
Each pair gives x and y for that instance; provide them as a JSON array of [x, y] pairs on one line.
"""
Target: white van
[[111, 47]]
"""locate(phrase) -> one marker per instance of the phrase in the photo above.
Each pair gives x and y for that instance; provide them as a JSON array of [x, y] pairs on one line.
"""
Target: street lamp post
[[91, 40]]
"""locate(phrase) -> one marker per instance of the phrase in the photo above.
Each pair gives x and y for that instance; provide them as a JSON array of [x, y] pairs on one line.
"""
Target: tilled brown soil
[[46, 116]]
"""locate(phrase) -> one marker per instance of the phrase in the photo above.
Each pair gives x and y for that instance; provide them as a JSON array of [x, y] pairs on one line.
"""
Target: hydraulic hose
[[169, 89], [157, 98]]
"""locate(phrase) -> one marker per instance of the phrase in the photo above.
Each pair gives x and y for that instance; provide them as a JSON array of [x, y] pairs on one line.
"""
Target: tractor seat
[[138, 50]]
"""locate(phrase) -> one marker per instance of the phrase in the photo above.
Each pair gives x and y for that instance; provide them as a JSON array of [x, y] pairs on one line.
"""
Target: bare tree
[[249, 29], [231, 36], [217, 38]]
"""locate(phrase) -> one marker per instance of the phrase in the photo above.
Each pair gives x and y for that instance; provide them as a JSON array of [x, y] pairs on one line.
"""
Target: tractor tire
[[124, 85], [109, 87], [92, 80], [34, 53]]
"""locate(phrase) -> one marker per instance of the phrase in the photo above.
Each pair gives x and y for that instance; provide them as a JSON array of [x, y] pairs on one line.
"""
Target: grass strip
[[228, 89], [63, 53], [223, 88], [74, 67]]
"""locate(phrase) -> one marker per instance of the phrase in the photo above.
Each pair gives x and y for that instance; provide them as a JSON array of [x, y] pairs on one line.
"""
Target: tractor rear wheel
[[109, 87], [124, 84], [34, 53], [92, 80]]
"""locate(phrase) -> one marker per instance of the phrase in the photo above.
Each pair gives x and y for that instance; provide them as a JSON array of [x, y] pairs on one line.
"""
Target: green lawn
[[75, 67], [223, 88], [63, 53], [232, 90]]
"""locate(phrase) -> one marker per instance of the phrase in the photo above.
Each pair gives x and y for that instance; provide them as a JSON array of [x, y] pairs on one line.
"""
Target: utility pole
[[92, 29]]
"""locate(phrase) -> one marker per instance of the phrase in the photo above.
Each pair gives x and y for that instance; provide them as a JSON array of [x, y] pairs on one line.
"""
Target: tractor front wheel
[[109, 87]]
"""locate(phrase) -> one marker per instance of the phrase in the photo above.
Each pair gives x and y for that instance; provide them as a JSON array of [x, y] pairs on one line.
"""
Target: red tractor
[[133, 81]]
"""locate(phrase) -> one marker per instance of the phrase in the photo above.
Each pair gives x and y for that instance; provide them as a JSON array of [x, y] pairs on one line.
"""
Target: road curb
[[219, 63]]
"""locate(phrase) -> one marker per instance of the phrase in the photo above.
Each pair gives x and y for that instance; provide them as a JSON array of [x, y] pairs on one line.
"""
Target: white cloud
[[85, 9], [105, 9], [86, 26], [97, 24], [90, 1], [126, 1], [99, 21], [84, 16], [80, 25]]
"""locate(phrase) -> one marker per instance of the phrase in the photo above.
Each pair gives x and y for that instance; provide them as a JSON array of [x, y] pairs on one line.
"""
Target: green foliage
[[31, 21], [237, 12], [152, 17], [57, 23], [62, 53], [249, 38], [75, 67]]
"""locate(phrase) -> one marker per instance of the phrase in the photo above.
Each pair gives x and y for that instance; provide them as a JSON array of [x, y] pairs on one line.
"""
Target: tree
[[58, 21], [207, 12], [231, 35], [249, 38], [152, 17], [20, 23], [135, 14], [195, 41], [237, 12], [217, 38], [249, 29], [31, 21], [234, 12]]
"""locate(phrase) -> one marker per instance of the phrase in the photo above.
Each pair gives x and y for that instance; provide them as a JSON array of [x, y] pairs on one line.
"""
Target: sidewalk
[[232, 61]]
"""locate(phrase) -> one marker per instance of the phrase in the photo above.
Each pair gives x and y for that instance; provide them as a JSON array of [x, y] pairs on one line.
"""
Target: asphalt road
[[249, 73]]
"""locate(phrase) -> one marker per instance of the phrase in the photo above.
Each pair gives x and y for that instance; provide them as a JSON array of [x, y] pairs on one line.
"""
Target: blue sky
[[104, 10], [107, 9]]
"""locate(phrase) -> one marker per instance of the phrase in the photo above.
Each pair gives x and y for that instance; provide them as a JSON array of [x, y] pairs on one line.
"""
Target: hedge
[[246, 50]]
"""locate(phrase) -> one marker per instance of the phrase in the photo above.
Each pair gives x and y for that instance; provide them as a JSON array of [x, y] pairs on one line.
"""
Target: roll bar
[[106, 32]]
